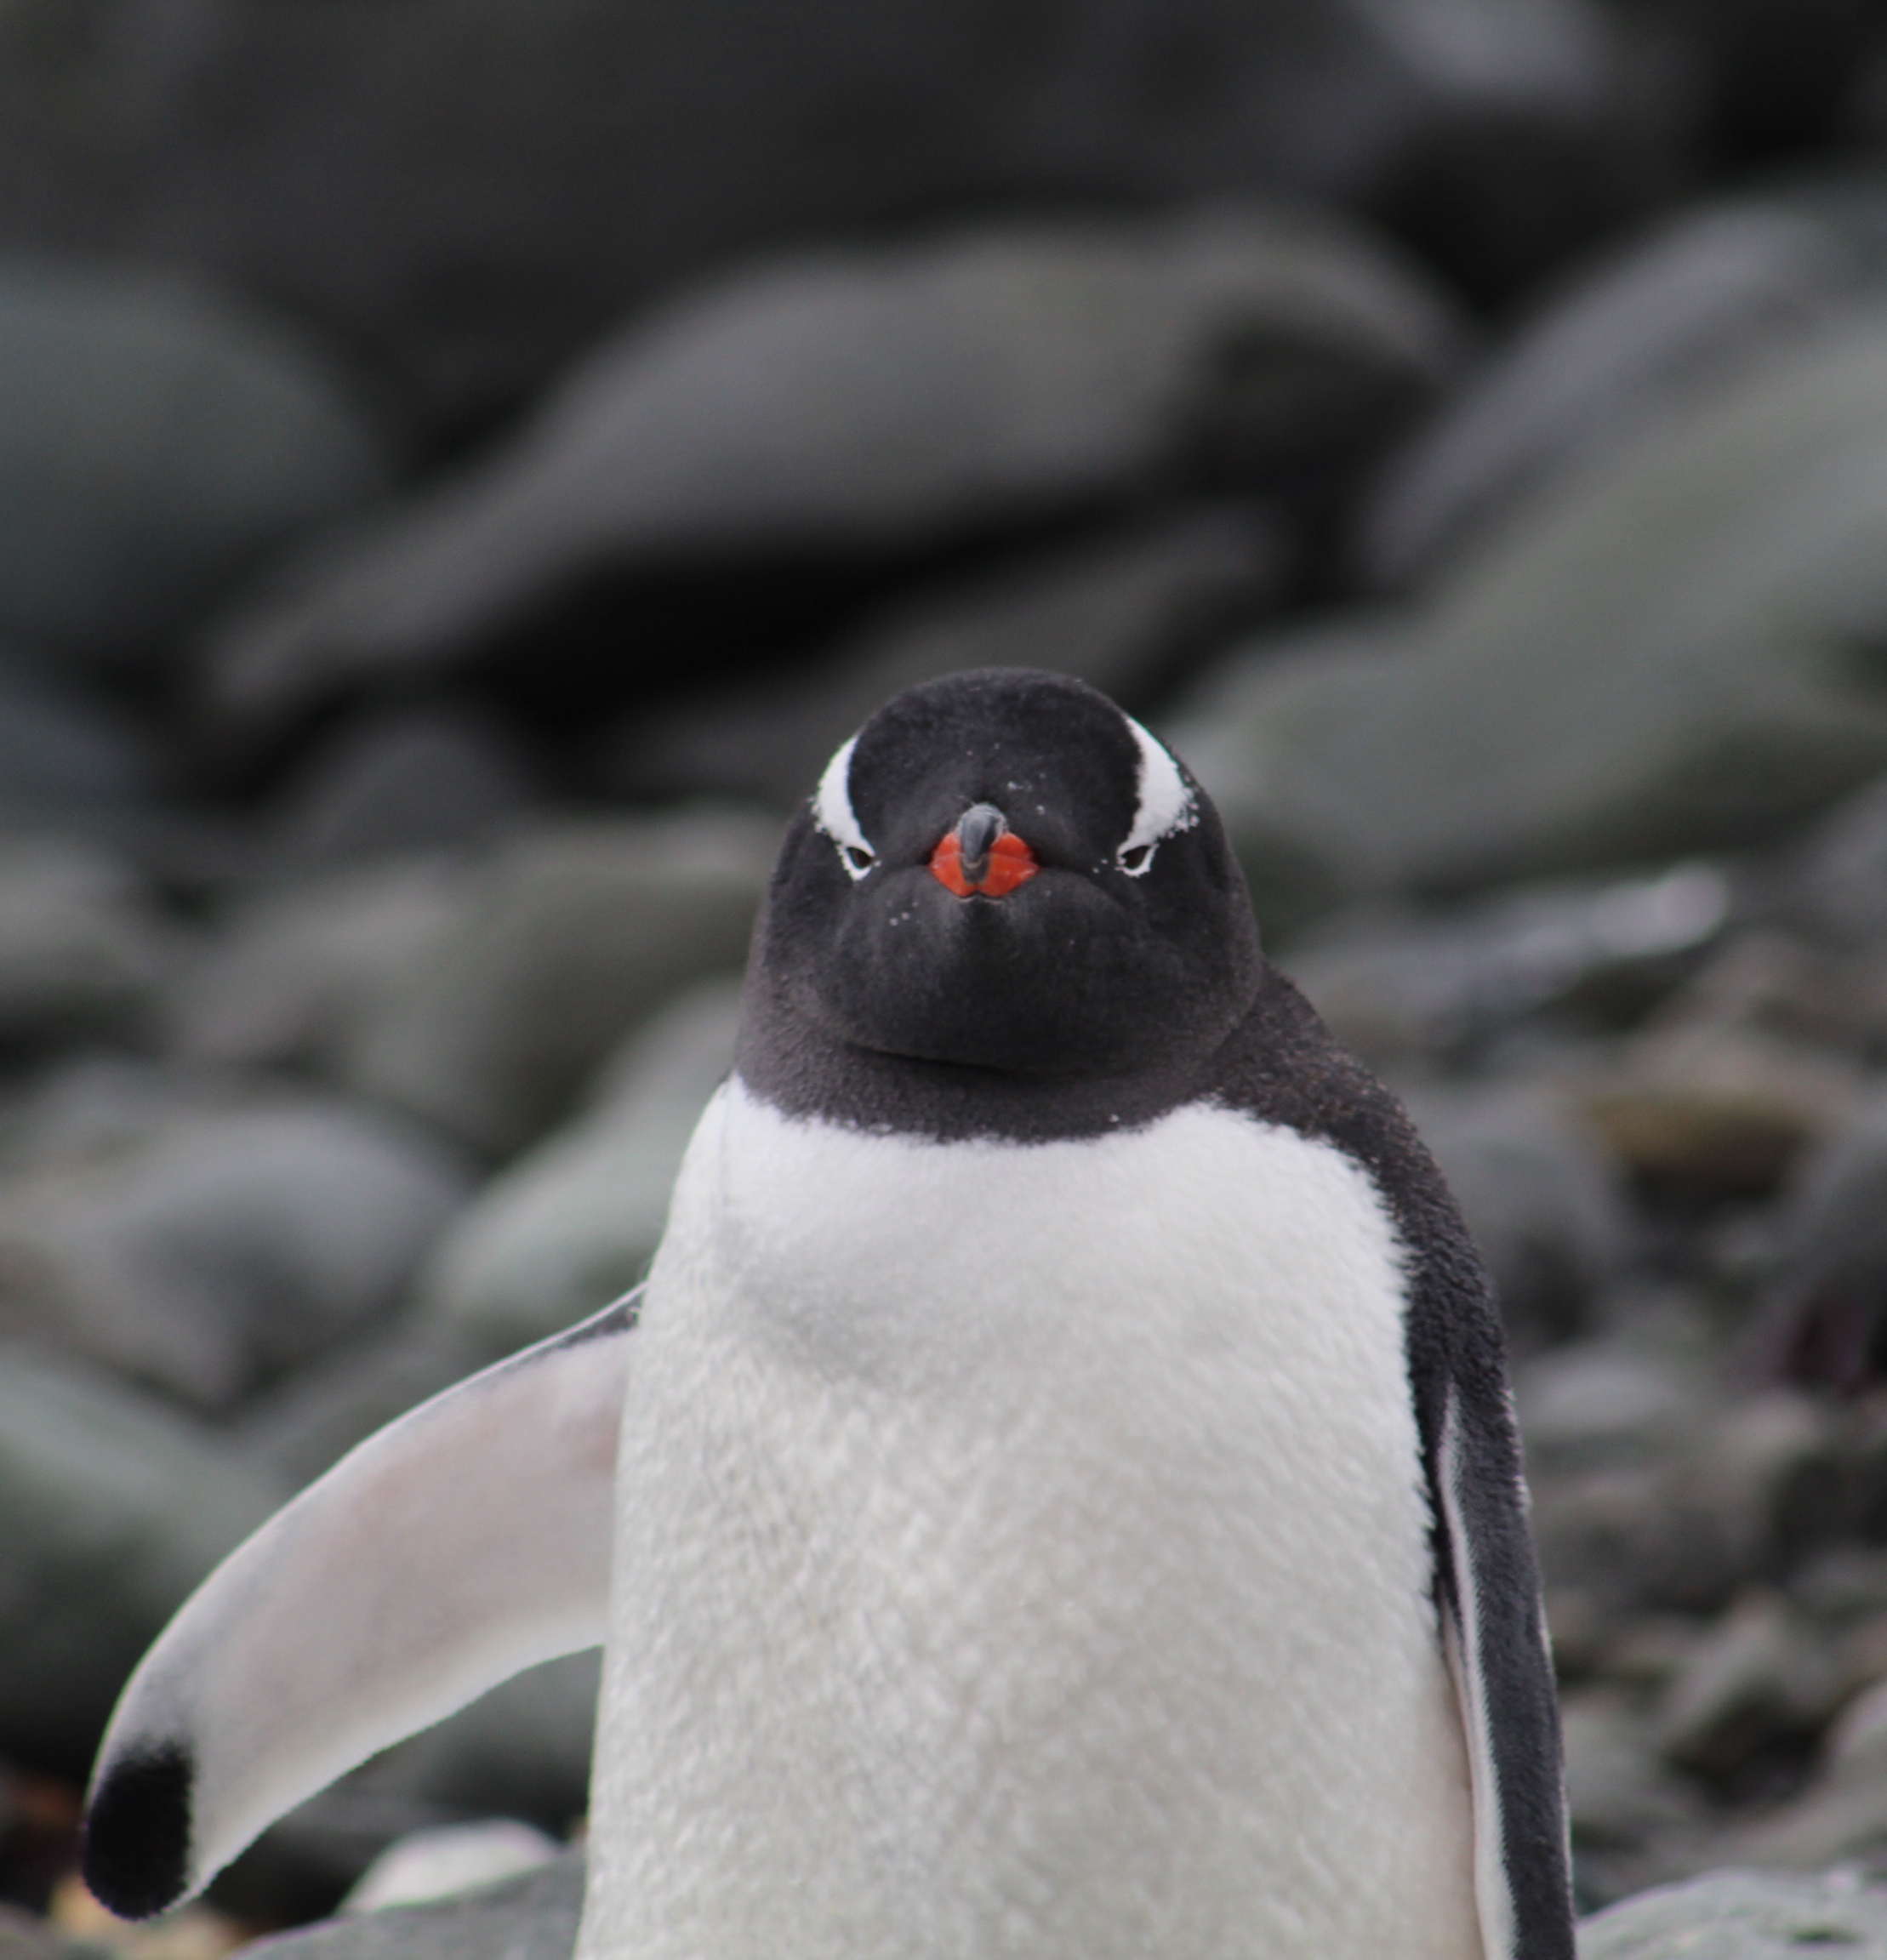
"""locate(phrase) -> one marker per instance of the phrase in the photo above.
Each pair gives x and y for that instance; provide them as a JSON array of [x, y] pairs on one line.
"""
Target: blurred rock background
[[464, 463]]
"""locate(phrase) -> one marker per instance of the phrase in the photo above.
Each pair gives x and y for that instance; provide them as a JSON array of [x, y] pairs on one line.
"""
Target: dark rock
[[532, 1918], [1743, 1916], [1835, 886], [159, 439], [1123, 613], [212, 1251], [84, 950], [572, 936], [66, 763], [1678, 653], [854, 407], [1827, 1315], [1541, 1199], [112, 1508], [580, 156], [1649, 333], [574, 1222]]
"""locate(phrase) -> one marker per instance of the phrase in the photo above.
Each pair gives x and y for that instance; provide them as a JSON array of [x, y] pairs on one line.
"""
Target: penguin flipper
[[465, 1541], [1502, 1665]]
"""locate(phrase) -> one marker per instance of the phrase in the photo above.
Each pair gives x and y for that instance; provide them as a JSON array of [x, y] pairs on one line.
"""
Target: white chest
[[1022, 1551]]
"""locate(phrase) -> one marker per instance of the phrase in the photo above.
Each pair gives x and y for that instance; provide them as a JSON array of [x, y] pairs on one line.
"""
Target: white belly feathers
[[1022, 1551]]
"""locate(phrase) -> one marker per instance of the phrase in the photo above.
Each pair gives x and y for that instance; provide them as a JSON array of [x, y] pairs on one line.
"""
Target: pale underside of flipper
[[463, 1543]]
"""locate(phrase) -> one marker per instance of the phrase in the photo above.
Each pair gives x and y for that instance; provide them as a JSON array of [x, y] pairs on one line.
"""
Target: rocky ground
[[462, 470]]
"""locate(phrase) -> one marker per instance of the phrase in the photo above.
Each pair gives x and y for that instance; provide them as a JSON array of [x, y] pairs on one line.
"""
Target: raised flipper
[[467, 1541]]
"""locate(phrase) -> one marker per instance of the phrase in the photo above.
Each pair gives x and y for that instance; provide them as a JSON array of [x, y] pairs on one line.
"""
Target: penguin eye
[[1137, 860], [856, 859]]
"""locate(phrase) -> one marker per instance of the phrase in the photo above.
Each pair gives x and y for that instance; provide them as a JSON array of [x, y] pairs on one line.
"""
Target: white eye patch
[[833, 812], [1167, 805]]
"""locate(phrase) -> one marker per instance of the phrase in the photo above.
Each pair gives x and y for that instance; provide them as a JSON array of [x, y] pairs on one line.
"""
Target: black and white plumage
[[1066, 1496]]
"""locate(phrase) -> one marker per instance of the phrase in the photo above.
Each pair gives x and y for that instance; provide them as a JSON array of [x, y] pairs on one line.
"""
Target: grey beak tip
[[976, 829]]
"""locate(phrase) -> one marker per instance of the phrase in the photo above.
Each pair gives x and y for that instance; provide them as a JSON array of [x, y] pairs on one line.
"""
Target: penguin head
[[1005, 871]]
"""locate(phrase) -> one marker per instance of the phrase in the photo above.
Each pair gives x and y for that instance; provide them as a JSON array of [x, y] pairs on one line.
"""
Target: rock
[[1625, 1804], [1762, 1682], [160, 439], [1836, 885], [112, 1508], [1655, 327], [1123, 613], [294, 969], [215, 1250], [401, 781], [451, 1859], [1827, 1323], [575, 1222], [83, 950], [855, 408], [23, 1937], [580, 156], [533, 1916], [1743, 1916], [1841, 1818], [571, 936], [1396, 982], [1541, 1199], [66, 763], [1670, 655]]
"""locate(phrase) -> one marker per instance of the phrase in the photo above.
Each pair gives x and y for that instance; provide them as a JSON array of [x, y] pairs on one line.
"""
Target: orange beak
[[1006, 863]]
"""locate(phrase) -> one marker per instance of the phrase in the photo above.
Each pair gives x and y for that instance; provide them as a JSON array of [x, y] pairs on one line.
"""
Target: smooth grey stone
[[65, 762], [1123, 612], [865, 403], [402, 781], [572, 935], [1642, 670], [574, 1221], [157, 439], [1743, 1916], [1654, 328], [531, 1917], [84, 950], [291, 970], [1619, 1794], [1542, 1199], [211, 1251], [583, 156], [113, 1507]]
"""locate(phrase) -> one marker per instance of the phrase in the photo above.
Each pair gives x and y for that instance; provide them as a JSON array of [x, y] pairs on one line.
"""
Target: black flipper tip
[[137, 1833]]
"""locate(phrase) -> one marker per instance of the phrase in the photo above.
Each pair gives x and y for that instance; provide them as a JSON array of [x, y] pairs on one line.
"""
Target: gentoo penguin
[[1054, 1497]]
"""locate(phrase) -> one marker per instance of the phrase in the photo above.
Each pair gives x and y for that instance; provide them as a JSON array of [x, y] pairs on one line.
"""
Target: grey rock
[[112, 1508], [574, 1221], [531, 1917], [1396, 983], [425, 1865], [84, 950], [159, 439], [65, 762], [215, 1250], [399, 781], [572, 936], [865, 404], [582, 155], [1836, 885], [292, 971], [1619, 1794], [1672, 656], [1841, 1817], [1743, 1916], [1653, 329], [22, 1937], [1542, 1199], [1122, 613]]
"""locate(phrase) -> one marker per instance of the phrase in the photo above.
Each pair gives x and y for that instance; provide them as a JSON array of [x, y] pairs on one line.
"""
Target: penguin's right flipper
[[465, 1541]]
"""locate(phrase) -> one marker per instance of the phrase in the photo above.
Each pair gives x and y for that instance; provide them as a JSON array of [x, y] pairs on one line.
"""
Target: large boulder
[[472, 192], [575, 1222], [157, 438], [208, 1249], [1679, 654], [1743, 1916], [852, 408], [112, 1508], [574, 934]]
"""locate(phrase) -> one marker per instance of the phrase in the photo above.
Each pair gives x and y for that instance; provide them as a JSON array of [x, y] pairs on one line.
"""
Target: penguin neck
[[787, 1059]]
